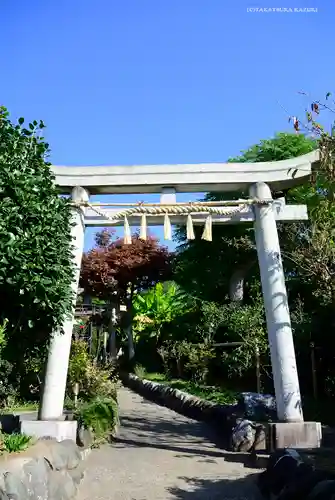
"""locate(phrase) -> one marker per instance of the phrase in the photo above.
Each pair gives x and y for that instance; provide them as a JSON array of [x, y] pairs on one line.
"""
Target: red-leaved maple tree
[[113, 266]]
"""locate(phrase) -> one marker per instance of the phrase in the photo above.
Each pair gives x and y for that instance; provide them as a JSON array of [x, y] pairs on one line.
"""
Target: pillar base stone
[[57, 429], [297, 435]]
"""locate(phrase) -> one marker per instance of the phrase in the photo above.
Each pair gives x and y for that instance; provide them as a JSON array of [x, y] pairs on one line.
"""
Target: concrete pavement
[[160, 455]]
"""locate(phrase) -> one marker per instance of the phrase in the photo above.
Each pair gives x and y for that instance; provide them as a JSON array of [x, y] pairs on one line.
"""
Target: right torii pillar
[[291, 431]]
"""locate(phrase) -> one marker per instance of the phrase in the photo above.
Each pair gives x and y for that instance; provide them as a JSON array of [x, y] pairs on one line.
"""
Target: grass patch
[[214, 394], [19, 407]]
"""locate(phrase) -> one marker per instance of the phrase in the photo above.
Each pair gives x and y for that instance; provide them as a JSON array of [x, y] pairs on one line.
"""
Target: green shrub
[[13, 443], [92, 379], [100, 416], [98, 383], [69, 403], [140, 371], [186, 359], [79, 359]]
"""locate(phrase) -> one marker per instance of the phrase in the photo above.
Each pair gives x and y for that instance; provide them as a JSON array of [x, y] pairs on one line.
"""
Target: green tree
[[226, 270], [309, 249], [212, 270], [35, 242]]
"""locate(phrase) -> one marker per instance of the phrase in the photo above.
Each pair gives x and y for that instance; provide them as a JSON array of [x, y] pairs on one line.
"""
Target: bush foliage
[[35, 242], [100, 416], [93, 380]]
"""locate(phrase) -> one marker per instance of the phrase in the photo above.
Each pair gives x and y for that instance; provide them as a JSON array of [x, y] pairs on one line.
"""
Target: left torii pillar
[[50, 416]]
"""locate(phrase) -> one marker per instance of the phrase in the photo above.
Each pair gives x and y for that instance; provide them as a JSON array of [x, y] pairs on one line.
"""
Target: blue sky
[[161, 81]]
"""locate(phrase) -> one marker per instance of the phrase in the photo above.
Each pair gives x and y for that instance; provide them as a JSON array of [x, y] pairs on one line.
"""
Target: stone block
[[57, 429], [48, 470], [298, 435]]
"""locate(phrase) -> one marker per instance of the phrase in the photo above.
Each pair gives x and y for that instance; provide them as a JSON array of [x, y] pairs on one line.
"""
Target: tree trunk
[[237, 280], [179, 368], [112, 352], [131, 349], [129, 329], [97, 352], [104, 355]]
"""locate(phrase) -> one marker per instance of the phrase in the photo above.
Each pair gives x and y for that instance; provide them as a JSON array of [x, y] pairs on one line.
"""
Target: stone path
[[160, 455]]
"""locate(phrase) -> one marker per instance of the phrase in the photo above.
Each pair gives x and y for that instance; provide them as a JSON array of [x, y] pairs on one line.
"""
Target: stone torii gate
[[260, 180]]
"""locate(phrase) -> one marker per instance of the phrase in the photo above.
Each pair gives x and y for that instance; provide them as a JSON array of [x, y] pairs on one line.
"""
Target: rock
[[259, 407], [15, 488], [288, 477], [3, 495], [69, 451], [61, 454], [61, 486], [36, 474], [281, 469], [49, 470], [246, 435], [325, 490], [76, 475], [302, 485]]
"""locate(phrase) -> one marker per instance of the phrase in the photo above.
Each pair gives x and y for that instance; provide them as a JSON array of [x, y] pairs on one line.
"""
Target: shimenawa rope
[[166, 210]]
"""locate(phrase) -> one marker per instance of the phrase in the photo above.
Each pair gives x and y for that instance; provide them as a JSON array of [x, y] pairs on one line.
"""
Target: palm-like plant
[[159, 306]]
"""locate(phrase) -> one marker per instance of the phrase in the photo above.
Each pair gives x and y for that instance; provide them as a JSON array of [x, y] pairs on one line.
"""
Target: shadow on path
[[164, 429], [163, 434], [243, 488], [161, 455]]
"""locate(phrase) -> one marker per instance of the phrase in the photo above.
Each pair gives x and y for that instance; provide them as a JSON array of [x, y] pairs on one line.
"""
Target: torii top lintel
[[185, 178]]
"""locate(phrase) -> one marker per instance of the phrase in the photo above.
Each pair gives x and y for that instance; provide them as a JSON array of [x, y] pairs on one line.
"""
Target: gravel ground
[[161, 455]]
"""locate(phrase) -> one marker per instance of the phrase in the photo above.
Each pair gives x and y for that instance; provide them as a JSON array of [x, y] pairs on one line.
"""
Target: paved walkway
[[160, 455]]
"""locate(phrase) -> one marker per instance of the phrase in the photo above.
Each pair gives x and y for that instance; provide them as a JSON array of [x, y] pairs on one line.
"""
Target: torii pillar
[[50, 416], [291, 431]]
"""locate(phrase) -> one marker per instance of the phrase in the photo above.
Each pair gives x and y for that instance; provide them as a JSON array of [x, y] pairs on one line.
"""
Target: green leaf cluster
[[100, 416], [158, 307], [93, 380], [36, 270], [14, 443]]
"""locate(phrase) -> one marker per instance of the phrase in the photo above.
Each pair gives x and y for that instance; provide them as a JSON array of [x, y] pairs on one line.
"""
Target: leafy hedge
[[35, 241]]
